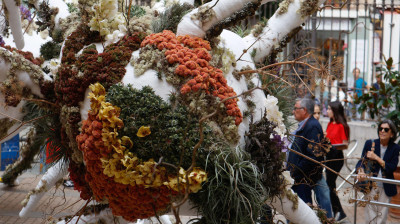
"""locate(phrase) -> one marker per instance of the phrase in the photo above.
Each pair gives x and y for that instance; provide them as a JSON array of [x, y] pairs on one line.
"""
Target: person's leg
[[382, 211], [331, 181], [370, 212], [321, 190], [303, 191]]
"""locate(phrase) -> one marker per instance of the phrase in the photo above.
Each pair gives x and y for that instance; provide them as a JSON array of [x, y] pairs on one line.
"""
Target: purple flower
[[25, 13], [2, 41], [281, 143]]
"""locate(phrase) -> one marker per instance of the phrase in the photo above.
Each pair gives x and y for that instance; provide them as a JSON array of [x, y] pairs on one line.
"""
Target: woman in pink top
[[338, 133]]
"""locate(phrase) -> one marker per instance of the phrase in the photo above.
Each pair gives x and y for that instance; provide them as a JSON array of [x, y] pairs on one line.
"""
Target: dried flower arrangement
[[139, 152]]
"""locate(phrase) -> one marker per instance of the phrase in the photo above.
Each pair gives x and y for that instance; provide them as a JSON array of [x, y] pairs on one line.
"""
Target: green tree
[[384, 102]]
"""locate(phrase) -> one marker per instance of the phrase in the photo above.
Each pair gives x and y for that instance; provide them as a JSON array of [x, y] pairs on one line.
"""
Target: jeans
[[303, 191], [321, 191]]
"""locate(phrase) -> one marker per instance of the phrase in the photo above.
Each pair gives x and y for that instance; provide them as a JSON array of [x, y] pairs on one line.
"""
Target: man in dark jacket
[[307, 136]]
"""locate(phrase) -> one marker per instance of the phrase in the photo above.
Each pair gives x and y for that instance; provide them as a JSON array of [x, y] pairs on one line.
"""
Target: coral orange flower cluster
[[134, 189], [193, 57], [130, 202]]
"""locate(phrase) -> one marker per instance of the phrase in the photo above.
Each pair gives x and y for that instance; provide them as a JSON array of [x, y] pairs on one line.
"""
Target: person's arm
[[367, 147], [390, 165], [306, 166], [361, 176]]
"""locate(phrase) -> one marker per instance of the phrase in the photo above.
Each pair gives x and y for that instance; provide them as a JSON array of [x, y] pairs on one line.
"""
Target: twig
[[323, 165], [22, 124], [155, 167], [309, 90], [30, 22], [213, 5], [277, 64], [82, 210], [332, 160], [42, 101], [245, 51], [12, 118], [334, 7]]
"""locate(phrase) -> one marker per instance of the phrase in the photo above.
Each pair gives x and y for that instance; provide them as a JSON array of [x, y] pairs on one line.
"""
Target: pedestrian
[[384, 155], [359, 85], [377, 84], [309, 133], [338, 132], [321, 188]]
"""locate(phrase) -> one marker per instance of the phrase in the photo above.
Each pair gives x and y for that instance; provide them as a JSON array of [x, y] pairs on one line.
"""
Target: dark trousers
[[331, 177], [303, 191]]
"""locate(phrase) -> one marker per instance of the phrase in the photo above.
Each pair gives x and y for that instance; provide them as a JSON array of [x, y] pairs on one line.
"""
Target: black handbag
[[366, 185]]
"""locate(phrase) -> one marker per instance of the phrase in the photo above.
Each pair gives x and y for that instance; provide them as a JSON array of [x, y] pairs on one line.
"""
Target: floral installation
[[113, 170], [136, 150], [108, 21], [190, 59], [274, 115]]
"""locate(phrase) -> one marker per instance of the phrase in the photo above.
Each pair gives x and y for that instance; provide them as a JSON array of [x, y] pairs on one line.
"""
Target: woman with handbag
[[379, 157], [338, 132]]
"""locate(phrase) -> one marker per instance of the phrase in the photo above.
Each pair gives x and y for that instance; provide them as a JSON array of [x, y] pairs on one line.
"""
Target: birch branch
[[280, 25]]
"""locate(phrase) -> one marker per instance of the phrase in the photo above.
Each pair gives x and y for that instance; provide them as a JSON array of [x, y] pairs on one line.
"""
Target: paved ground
[[54, 204], [65, 201]]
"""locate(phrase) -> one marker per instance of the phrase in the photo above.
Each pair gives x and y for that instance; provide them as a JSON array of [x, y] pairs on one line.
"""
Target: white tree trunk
[[14, 19], [223, 9], [279, 25], [49, 179], [302, 215]]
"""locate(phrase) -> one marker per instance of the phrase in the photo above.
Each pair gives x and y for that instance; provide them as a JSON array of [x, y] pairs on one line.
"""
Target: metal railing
[[345, 161], [356, 200]]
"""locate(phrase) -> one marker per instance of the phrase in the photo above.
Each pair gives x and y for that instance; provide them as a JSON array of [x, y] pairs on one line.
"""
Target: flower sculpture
[[144, 122], [113, 171]]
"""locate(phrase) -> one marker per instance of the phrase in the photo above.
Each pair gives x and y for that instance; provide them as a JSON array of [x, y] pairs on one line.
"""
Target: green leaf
[[389, 63]]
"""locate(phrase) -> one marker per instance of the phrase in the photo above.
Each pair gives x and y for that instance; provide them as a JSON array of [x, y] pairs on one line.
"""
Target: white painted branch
[[49, 179], [105, 216], [190, 2], [223, 9], [15, 113], [278, 27], [160, 6], [302, 215], [14, 19]]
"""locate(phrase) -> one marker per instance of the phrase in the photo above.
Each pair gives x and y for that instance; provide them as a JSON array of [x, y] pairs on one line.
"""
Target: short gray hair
[[308, 104]]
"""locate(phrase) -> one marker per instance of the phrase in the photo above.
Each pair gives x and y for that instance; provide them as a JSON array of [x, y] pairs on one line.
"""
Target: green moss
[[170, 18], [50, 50], [57, 35], [174, 131], [239, 30]]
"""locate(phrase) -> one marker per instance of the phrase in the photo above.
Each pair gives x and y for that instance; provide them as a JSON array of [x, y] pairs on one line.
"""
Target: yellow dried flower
[[143, 131]]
